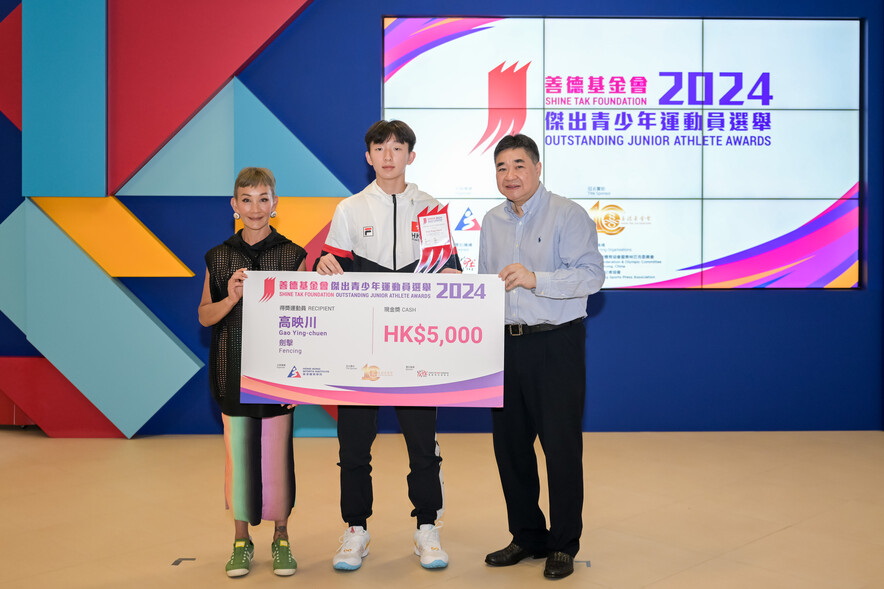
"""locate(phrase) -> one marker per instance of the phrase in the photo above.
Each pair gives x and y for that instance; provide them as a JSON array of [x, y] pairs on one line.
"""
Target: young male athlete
[[376, 231]]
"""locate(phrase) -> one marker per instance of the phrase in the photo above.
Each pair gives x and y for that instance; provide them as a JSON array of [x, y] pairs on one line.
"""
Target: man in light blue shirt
[[545, 248]]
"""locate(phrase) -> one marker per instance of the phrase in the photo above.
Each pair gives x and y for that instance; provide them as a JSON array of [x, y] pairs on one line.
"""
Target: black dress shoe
[[558, 565], [510, 555]]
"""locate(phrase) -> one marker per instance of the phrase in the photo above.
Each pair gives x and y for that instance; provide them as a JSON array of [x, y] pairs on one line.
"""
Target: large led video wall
[[711, 153]]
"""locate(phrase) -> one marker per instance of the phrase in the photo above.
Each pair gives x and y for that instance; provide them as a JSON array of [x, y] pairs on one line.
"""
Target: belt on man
[[516, 329]]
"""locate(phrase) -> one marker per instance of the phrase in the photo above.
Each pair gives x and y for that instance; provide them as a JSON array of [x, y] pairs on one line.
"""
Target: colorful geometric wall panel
[[112, 236], [302, 218], [12, 288], [302, 86], [10, 66], [262, 140], [197, 161], [312, 421], [231, 132], [108, 344], [163, 66], [51, 401], [63, 90]]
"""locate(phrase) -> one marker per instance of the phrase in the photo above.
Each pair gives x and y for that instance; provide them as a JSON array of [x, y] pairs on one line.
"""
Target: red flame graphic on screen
[[269, 288], [507, 103]]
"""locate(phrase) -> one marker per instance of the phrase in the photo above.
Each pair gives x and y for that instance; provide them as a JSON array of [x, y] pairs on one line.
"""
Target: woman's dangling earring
[[236, 216], [273, 215]]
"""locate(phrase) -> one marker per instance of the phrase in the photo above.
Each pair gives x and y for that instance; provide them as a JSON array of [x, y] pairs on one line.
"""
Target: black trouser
[[357, 429], [544, 386]]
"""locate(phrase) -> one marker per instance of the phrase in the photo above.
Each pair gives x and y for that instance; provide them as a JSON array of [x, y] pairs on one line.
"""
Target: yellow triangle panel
[[113, 237]]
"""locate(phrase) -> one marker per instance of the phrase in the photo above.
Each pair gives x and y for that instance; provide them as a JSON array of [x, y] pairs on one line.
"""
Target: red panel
[[314, 248], [10, 66], [167, 58], [10, 414], [55, 405], [7, 410]]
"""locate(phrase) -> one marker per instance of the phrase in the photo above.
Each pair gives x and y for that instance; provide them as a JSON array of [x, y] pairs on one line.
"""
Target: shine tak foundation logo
[[372, 373], [507, 103], [269, 289], [608, 219], [612, 219]]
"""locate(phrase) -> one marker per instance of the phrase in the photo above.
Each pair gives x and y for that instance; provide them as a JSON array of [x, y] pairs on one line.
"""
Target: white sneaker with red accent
[[354, 547], [429, 548]]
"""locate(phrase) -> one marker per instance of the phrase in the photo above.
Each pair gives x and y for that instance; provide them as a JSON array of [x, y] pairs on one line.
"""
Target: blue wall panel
[[196, 225], [13, 292], [7, 6], [733, 360], [64, 97], [10, 167], [262, 140], [13, 341]]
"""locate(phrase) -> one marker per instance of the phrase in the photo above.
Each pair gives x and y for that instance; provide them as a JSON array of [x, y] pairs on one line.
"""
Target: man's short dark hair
[[383, 130], [516, 142]]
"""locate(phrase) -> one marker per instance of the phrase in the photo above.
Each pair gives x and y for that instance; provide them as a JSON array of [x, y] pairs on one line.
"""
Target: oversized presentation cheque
[[430, 340]]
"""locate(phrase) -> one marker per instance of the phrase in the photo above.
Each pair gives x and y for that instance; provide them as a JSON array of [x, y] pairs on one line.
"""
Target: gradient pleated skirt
[[259, 477]]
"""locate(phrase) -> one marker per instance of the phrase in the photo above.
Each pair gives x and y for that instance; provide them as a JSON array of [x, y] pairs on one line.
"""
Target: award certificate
[[373, 339]]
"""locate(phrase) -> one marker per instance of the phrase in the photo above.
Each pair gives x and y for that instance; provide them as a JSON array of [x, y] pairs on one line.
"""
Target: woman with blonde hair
[[260, 469]]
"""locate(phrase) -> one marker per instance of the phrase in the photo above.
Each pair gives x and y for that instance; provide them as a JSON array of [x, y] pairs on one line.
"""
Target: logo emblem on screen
[[468, 222], [507, 103], [269, 288], [370, 372], [608, 219], [294, 373]]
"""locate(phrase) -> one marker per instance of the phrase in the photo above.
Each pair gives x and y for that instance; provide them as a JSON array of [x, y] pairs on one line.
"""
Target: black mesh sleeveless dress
[[274, 253], [260, 469]]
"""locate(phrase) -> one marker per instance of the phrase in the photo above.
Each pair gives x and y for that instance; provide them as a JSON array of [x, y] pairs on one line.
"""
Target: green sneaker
[[283, 563], [241, 559]]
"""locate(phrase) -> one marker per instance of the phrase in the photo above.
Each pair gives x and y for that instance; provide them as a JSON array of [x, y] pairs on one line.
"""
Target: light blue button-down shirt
[[554, 238]]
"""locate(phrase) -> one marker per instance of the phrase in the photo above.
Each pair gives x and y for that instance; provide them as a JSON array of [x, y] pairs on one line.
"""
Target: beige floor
[[664, 510]]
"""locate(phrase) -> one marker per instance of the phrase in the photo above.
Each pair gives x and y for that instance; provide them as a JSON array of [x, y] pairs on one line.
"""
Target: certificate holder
[[435, 237]]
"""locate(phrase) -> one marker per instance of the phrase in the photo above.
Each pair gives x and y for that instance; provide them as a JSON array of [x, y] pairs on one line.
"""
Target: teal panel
[[64, 84], [12, 287], [111, 347], [262, 140], [197, 161], [312, 421]]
